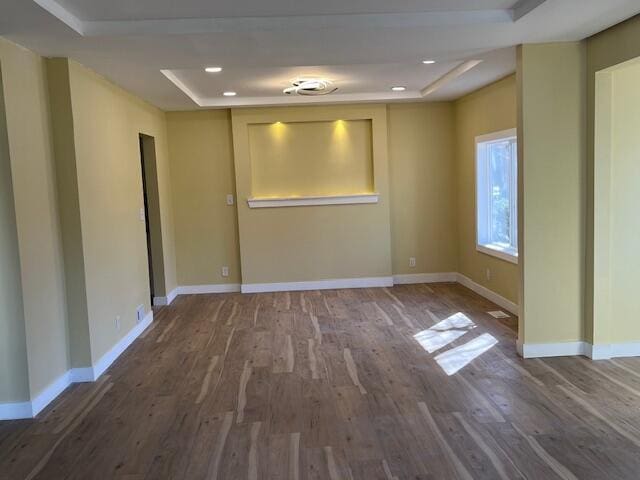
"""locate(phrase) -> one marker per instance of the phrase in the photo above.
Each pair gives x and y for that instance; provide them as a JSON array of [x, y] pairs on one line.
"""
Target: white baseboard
[[586, 349], [50, 393], [82, 375], [413, 278], [162, 301], [615, 350], [108, 358], [545, 350], [368, 282], [14, 411], [215, 288], [488, 294]]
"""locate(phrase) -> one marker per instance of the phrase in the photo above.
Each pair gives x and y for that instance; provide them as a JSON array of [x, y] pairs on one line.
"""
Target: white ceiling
[[364, 46]]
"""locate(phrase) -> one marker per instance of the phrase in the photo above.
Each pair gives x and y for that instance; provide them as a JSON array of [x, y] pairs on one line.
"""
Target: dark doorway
[[146, 218], [152, 219]]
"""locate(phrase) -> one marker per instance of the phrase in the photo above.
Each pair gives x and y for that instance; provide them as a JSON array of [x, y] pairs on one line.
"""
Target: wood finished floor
[[333, 385]]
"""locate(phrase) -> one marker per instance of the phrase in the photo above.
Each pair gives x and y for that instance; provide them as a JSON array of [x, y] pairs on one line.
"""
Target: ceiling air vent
[[310, 86]]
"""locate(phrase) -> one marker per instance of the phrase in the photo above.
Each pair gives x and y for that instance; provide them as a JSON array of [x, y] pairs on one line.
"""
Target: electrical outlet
[[412, 262], [140, 313], [230, 199], [142, 214], [225, 271], [488, 273], [118, 322]]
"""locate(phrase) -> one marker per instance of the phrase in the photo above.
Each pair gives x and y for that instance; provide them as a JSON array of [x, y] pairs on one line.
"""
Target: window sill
[[499, 252]]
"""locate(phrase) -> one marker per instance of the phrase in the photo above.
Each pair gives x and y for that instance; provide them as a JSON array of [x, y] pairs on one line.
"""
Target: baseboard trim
[[162, 301], [111, 356], [413, 278], [488, 294], [586, 349], [546, 350], [215, 288], [50, 393], [16, 411], [615, 350], [367, 282]]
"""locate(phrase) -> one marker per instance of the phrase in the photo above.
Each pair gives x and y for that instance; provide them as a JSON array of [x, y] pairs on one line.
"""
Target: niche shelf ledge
[[274, 202]]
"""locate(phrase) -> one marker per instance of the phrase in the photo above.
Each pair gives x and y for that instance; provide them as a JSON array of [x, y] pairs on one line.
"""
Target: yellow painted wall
[[625, 197], [311, 158], [14, 370], [202, 174], [421, 163], [107, 122], [423, 187], [605, 50], [552, 152], [38, 231], [312, 243], [488, 110]]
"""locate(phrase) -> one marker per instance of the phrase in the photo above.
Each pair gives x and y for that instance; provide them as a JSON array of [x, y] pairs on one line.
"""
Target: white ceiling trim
[[450, 76], [185, 26], [226, 102], [308, 22], [522, 7], [62, 14]]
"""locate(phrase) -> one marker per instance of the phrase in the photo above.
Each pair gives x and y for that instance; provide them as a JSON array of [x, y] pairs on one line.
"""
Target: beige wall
[[311, 158], [607, 49], [625, 194], [202, 174], [616, 191], [37, 222], [294, 244], [421, 164], [14, 371], [552, 152], [423, 187], [107, 122], [491, 109]]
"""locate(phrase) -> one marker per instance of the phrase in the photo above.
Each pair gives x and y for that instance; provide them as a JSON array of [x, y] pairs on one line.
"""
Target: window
[[497, 194]]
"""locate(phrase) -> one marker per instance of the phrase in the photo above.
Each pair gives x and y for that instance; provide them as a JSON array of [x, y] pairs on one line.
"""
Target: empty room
[[341, 240]]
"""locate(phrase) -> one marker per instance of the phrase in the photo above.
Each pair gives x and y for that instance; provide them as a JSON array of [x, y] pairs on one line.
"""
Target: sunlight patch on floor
[[443, 333], [457, 358]]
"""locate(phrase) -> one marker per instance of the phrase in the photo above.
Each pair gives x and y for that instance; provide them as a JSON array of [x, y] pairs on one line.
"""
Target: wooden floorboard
[[409, 382]]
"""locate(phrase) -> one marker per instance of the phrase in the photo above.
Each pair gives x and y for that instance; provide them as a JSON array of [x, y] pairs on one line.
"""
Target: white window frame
[[481, 176]]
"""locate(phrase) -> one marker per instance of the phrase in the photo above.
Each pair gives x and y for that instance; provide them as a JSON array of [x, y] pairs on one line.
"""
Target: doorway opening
[[153, 222]]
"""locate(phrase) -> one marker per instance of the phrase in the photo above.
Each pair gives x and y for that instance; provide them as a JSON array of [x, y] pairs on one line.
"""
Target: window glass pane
[[500, 193]]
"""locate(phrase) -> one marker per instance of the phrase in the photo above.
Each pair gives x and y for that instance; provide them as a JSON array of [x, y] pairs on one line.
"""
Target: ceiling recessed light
[[229, 94], [428, 62], [213, 69], [398, 89]]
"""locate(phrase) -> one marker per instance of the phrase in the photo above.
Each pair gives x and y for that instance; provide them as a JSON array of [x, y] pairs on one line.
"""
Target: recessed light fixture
[[229, 94], [398, 89], [213, 69], [428, 62]]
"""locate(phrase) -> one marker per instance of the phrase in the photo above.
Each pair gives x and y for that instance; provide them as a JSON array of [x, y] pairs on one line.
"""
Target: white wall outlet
[[142, 214], [117, 322], [140, 313], [225, 271], [412, 262], [488, 274], [230, 199]]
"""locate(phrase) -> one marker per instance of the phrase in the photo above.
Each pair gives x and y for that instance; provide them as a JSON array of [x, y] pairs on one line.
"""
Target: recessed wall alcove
[[328, 167]]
